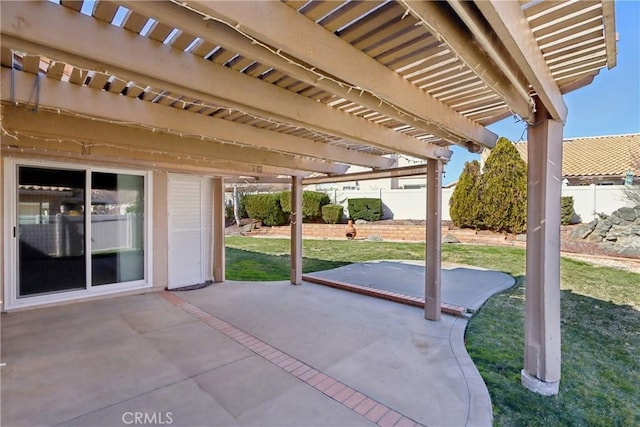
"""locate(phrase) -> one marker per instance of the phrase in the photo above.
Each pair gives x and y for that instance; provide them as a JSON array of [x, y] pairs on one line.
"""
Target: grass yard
[[600, 326]]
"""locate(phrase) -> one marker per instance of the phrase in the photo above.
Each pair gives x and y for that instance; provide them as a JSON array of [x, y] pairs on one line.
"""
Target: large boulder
[[603, 227], [582, 231], [627, 214]]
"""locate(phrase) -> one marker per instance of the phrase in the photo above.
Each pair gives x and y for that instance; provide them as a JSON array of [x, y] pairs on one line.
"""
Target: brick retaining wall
[[414, 233]]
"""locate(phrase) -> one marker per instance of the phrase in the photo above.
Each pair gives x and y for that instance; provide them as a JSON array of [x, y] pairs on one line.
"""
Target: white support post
[[217, 229], [296, 230], [541, 372], [433, 283]]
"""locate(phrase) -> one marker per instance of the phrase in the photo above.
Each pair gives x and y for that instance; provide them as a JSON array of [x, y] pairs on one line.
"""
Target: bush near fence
[[266, 208], [332, 214], [369, 209], [312, 203]]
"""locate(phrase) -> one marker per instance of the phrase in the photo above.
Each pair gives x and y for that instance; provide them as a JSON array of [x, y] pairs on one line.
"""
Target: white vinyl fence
[[588, 201]]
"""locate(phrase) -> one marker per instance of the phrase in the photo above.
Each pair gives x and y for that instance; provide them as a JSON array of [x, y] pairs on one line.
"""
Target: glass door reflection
[[51, 240], [117, 221]]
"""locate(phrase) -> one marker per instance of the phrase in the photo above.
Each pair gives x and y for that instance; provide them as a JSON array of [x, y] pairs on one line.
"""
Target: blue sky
[[610, 105]]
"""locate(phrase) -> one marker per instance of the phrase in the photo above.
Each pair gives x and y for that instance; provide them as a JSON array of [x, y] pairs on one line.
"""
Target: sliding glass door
[[117, 253], [78, 229], [51, 237]]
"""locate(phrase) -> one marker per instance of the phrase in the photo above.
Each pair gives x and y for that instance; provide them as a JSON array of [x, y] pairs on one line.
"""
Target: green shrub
[[466, 210], [504, 189], [242, 209], [312, 203], [265, 208], [369, 209], [566, 210], [332, 214]]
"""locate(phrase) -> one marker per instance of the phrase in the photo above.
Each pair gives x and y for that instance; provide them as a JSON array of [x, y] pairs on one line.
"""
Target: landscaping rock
[[593, 237], [615, 219], [450, 238], [374, 238], [582, 231], [602, 227], [521, 238], [632, 242], [361, 221], [627, 214]]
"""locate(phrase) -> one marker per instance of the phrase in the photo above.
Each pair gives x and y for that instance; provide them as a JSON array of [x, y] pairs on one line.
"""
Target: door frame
[[10, 210]]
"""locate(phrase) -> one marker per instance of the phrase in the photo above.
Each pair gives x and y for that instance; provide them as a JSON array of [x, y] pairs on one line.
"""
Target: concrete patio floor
[[239, 354]]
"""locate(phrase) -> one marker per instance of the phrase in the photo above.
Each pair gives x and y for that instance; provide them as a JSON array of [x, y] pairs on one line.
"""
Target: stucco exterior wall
[[159, 232], [160, 229]]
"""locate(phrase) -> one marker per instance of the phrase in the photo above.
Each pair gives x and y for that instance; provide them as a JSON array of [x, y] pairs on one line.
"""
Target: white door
[[189, 206]]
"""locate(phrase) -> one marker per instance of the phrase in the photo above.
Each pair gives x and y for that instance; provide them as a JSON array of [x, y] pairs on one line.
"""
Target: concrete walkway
[[239, 354]]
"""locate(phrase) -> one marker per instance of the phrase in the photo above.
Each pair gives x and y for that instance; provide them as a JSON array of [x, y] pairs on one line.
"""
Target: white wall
[[588, 201]]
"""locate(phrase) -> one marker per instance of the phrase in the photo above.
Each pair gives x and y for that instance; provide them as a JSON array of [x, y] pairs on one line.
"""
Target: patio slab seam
[[351, 398]]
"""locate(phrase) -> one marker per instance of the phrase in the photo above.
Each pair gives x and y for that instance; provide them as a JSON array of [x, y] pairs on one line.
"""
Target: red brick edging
[[358, 402], [456, 310]]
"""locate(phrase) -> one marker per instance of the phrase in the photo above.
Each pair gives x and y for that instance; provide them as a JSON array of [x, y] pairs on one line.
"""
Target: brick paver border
[[455, 310], [352, 399]]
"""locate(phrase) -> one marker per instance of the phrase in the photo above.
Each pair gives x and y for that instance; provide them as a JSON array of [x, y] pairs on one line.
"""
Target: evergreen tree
[[465, 208], [504, 189]]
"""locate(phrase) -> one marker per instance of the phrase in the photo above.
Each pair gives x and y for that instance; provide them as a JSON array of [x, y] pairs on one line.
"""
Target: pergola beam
[[274, 22], [610, 35], [53, 31], [110, 106], [364, 176], [30, 148], [101, 137], [217, 33], [439, 22], [511, 26]]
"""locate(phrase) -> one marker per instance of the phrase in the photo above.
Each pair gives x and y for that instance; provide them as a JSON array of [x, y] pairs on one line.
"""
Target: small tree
[[504, 189], [566, 210], [465, 205]]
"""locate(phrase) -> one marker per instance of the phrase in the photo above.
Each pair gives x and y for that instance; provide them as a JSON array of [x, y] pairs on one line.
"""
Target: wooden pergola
[[305, 89]]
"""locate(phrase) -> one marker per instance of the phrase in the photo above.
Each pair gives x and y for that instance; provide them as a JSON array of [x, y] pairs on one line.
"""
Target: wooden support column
[[541, 372], [433, 283], [217, 229], [296, 230]]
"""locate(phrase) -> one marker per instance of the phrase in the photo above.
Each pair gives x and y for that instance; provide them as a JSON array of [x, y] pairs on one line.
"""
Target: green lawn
[[600, 326]]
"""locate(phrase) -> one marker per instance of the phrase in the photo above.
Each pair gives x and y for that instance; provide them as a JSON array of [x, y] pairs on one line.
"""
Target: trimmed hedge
[[312, 203], [566, 210], [369, 209], [332, 214], [266, 208]]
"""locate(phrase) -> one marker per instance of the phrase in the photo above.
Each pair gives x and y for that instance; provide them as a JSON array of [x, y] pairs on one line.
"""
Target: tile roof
[[597, 155]]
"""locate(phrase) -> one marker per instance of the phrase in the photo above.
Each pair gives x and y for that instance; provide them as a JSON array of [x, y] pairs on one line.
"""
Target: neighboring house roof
[[611, 155]]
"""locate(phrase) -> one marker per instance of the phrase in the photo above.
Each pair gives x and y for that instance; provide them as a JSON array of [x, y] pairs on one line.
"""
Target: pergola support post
[[217, 230], [433, 283], [541, 372], [296, 230]]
